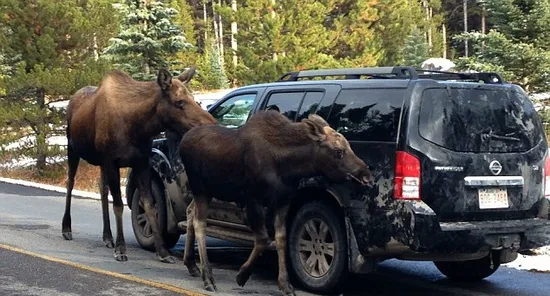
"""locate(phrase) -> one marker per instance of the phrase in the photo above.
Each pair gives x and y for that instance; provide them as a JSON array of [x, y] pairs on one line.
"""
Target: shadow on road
[[388, 280]]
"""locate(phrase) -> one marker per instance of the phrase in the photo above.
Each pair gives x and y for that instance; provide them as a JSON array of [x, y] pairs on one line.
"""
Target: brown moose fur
[[259, 165], [112, 126]]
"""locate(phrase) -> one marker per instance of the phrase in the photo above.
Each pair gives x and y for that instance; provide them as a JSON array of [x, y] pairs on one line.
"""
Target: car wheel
[[468, 271], [317, 248], [141, 225]]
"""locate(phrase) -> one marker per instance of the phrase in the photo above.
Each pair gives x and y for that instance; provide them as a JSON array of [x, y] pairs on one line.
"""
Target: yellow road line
[[106, 272]]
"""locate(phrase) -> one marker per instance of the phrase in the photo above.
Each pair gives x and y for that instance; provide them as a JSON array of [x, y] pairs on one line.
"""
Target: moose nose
[[365, 176]]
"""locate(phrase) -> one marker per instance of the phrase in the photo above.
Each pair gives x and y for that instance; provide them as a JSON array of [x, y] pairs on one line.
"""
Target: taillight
[[547, 177], [407, 176]]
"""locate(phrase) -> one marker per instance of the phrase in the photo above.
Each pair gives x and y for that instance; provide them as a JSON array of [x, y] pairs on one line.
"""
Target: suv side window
[[367, 114], [310, 104], [234, 111], [286, 103]]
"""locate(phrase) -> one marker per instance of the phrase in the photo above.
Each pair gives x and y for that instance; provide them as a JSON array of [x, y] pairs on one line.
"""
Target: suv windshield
[[479, 120]]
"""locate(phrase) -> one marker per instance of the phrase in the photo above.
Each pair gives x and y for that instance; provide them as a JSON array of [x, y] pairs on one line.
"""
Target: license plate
[[493, 198]]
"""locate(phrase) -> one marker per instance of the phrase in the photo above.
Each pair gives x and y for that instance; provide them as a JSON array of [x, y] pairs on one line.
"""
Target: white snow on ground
[[53, 140], [205, 98], [540, 262], [440, 64], [25, 162], [76, 193]]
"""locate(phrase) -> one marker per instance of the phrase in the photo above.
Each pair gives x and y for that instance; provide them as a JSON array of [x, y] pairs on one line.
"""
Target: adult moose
[[112, 126], [259, 165]]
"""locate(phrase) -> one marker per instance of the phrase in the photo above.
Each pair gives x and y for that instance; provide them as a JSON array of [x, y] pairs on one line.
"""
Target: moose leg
[[113, 178], [144, 187], [280, 240], [199, 221], [73, 160], [104, 193], [256, 220], [189, 251]]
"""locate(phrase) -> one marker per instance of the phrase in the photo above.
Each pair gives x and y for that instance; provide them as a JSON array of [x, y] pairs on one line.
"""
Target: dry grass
[[87, 176]]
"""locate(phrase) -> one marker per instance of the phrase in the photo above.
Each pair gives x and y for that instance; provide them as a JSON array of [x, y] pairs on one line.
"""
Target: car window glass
[[367, 114], [285, 102], [310, 104], [235, 111], [479, 120]]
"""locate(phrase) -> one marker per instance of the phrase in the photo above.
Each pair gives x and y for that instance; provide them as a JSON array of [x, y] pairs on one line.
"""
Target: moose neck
[[145, 116], [295, 153]]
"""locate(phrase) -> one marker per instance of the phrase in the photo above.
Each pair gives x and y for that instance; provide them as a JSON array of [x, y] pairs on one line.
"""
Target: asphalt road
[[36, 260]]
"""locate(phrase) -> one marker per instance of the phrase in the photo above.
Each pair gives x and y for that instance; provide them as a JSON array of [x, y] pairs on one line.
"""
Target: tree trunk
[[216, 30], [483, 11], [41, 143], [430, 43], [444, 29], [234, 33], [273, 14], [465, 6], [220, 37], [205, 19]]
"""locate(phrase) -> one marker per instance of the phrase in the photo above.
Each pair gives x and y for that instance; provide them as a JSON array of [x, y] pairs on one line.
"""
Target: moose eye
[[179, 104], [339, 153]]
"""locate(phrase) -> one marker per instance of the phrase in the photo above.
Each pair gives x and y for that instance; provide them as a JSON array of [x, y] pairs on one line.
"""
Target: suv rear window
[[367, 114], [479, 120]]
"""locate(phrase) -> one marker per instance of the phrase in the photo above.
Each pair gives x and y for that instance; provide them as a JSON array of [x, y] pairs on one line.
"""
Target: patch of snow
[[76, 193], [535, 263], [53, 140], [208, 98], [204, 98], [24, 162], [439, 64]]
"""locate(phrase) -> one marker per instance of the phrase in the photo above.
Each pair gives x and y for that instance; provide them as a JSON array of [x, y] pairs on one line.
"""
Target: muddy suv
[[460, 164]]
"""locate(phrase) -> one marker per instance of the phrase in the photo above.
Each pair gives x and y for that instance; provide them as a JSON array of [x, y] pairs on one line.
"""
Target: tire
[[316, 216], [468, 271], [140, 223]]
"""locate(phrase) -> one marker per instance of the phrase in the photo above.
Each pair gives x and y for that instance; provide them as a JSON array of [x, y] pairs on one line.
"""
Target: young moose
[[112, 126], [259, 165]]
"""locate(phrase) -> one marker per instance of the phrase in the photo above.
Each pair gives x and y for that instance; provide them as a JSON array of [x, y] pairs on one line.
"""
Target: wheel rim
[[141, 217], [316, 247], [143, 222]]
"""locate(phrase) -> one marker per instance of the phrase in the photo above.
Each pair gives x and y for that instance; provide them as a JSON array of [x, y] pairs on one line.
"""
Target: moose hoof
[[194, 270], [167, 259], [242, 277], [109, 243], [67, 235], [211, 288], [287, 289], [121, 257]]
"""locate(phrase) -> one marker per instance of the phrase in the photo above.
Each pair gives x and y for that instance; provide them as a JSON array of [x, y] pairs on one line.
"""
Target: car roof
[[384, 77]]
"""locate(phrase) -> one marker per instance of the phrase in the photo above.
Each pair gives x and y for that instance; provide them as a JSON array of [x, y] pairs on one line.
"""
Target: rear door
[[481, 150], [368, 116]]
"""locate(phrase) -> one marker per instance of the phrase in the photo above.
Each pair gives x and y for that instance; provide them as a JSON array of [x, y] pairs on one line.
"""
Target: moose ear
[[187, 75], [314, 130], [164, 79], [318, 120]]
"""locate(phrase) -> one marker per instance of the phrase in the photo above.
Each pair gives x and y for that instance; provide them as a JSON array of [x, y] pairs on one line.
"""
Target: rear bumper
[[474, 237], [410, 230]]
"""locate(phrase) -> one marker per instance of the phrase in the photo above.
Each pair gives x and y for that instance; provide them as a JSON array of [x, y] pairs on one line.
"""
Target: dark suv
[[459, 160]]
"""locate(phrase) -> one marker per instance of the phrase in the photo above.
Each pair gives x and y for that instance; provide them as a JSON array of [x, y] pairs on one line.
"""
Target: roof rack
[[353, 73], [486, 77], [401, 72]]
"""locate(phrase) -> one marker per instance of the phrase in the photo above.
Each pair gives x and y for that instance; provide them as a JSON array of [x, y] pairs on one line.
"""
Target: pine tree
[[217, 70], [354, 38], [415, 50], [149, 37], [48, 47], [518, 46]]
